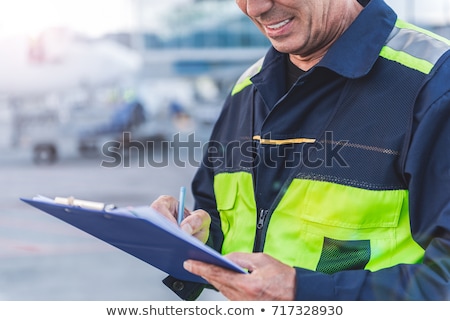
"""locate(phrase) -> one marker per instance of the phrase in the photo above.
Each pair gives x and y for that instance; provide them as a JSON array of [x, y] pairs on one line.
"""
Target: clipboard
[[141, 232]]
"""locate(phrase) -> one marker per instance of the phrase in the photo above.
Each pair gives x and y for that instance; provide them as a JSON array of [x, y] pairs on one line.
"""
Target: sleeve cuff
[[314, 286], [188, 291]]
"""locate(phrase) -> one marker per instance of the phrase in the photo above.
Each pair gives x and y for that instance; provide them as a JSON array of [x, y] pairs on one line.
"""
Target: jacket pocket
[[334, 227], [237, 209], [350, 207]]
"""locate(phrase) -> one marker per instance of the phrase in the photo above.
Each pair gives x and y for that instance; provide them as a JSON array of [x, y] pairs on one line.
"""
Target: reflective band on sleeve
[[410, 46], [245, 81]]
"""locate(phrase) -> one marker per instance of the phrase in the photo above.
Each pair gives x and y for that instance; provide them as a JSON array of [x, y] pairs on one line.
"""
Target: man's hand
[[269, 278], [195, 223]]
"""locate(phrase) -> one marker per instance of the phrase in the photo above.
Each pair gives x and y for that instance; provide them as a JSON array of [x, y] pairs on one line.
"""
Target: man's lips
[[278, 25]]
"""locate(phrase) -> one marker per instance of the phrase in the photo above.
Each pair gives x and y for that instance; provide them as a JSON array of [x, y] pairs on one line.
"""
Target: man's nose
[[256, 8]]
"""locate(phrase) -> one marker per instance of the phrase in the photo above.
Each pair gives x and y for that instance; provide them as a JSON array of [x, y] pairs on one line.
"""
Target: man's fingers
[[166, 205], [270, 279], [229, 283], [198, 220], [197, 224], [242, 260], [214, 274]]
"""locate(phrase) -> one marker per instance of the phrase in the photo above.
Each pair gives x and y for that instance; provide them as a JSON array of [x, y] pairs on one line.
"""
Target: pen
[[180, 215]]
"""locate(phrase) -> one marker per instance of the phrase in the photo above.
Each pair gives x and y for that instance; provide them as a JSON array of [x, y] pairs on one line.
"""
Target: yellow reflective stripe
[[405, 25], [407, 60], [416, 55], [241, 85], [245, 79], [283, 141]]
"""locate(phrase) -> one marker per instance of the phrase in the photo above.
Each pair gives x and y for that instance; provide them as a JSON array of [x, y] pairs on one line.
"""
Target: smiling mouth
[[278, 25]]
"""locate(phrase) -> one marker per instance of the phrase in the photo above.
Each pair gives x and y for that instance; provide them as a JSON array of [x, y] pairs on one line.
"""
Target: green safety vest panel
[[371, 228]]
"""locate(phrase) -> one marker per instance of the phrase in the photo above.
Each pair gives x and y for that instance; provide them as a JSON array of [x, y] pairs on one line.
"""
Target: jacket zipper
[[259, 238]]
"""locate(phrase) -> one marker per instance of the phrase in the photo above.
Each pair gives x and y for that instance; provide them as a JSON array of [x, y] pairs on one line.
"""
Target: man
[[328, 172]]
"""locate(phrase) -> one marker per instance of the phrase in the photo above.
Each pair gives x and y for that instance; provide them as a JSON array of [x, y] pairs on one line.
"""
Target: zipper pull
[[261, 218]]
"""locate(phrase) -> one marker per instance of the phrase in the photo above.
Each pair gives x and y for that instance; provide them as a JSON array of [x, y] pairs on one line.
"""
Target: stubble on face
[[304, 29]]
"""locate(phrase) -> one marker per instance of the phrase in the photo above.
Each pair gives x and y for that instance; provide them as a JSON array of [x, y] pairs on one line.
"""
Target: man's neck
[[351, 12]]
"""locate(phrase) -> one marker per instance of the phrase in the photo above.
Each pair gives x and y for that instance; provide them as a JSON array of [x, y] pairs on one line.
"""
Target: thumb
[[249, 261]]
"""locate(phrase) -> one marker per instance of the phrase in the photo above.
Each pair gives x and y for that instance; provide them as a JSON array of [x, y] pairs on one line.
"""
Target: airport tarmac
[[42, 258]]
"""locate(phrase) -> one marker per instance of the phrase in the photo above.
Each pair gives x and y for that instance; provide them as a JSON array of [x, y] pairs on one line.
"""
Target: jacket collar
[[355, 52]]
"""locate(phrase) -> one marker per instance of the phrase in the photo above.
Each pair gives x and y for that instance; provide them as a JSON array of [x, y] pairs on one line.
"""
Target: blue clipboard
[[141, 232]]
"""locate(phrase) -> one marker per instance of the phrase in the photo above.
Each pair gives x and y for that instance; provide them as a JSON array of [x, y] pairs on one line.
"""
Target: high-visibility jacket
[[345, 175]]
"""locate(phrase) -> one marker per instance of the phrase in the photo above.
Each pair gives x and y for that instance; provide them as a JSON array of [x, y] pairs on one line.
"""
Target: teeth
[[279, 25]]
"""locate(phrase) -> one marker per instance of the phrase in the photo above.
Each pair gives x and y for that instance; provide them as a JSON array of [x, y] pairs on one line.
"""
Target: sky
[[422, 11], [95, 17], [32, 16], [92, 17]]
